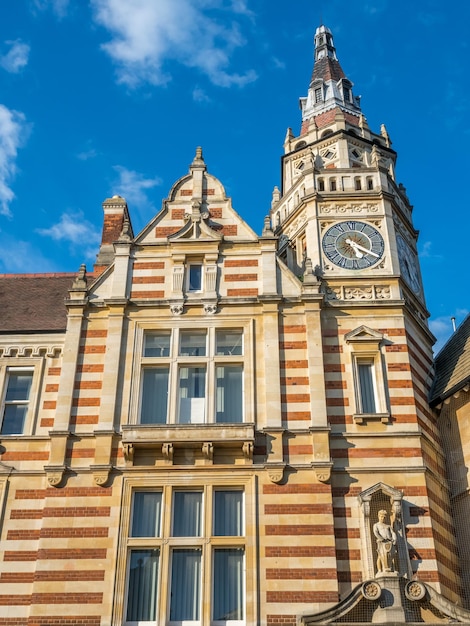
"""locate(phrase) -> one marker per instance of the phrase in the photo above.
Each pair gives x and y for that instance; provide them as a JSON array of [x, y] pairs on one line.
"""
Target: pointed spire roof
[[327, 66], [329, 86]]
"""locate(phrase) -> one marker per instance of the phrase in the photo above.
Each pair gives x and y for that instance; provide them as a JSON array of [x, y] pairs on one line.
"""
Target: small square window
[[193, 343], [157, 344], [195, 277], [229, 342]]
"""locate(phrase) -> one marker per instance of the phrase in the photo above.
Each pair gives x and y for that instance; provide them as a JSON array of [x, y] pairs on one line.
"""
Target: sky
[[104, 97]]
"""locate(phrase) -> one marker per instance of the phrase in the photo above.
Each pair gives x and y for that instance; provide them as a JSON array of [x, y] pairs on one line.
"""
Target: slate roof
[[327, 69], [33, 302], [452, 364]]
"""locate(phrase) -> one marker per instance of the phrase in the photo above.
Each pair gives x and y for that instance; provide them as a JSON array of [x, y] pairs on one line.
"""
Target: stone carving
[[101, 475], [386, 543], [415, 590], [275, 472], [247, 450], [370, 292], [177, 309], [382, 293], [358, 293], [167, 451], [371, 590], [365, 207], [128, 450], [210, 308], [208, 450], [55, 476]]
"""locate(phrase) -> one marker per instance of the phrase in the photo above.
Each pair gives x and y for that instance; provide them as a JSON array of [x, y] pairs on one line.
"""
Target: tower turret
[[329, 86]]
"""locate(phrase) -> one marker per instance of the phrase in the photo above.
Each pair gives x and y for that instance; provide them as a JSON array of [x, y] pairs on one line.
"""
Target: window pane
[[185, 585], [191, 395], [229, 342], [228, 513], [228, 585], [195, 278], [193, 344], [154, 395], [142, 588], [157, 344], [187, 514], [229, 394], [19, 385], [146, 513], [366, 387], [13, 419]]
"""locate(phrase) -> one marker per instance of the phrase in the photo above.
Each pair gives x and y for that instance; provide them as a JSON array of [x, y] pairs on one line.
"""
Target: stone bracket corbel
[[208, 451], [55, 474], [275, 471], [323, 471], [128, 451], [167, 451], [101, 474], [247, 450]]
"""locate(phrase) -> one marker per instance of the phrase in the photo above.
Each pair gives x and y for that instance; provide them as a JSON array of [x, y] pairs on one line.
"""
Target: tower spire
[[329, 86]]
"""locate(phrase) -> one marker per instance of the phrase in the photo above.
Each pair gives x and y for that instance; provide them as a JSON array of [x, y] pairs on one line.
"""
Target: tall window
[[194, 277], [192, 377], [16, 400], [177, 550], [366, 384]]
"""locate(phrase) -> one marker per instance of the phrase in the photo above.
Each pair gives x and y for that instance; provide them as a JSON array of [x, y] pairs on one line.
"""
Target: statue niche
[[383, 539]]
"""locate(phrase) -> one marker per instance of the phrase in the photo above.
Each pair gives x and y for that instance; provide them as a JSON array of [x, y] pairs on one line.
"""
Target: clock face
[[353, 245], [408, 264]]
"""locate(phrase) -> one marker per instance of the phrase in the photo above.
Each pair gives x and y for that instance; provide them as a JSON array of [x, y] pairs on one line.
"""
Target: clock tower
[[340, 205]]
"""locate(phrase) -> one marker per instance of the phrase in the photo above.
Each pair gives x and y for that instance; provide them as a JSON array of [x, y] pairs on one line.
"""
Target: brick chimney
[[115, 212]]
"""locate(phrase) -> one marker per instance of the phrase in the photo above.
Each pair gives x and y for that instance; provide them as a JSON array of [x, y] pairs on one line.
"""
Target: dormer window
[[347, 94], [318, 95], [194, 280]]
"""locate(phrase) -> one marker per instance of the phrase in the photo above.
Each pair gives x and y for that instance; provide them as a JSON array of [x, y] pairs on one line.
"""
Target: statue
[[386, 543]]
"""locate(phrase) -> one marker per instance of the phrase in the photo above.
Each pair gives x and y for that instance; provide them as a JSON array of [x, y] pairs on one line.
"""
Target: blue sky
[[99, 97]]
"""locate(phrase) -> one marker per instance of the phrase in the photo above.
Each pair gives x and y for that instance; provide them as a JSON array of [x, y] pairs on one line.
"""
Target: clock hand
[[357, 246], [354, 246]]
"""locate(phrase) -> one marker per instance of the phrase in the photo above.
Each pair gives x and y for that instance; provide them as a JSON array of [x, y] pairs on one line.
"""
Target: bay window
[[185, 545], [192, 377]]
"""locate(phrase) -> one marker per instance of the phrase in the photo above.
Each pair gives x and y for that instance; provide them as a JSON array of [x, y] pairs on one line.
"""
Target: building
[[220, 427], [451, 400]]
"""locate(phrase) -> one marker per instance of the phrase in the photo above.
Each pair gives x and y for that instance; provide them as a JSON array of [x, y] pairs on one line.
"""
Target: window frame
[[200, 288], [365, 348], [175, 362], [208, 543], [34, 365]]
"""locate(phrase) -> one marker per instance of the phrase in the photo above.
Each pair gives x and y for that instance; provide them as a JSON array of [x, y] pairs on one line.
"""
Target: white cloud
[[87, 154], [16, 58], [146, 35], [74, 229], [199, 95], [58, 6], [13, 131], [133, 186], [19, 257]]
